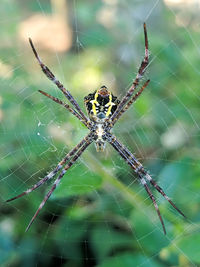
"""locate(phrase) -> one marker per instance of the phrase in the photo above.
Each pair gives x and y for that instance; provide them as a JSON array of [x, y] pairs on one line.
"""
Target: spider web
[[100, 215]]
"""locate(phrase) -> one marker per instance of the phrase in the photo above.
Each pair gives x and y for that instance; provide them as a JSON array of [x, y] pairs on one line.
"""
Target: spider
[[104, 110]]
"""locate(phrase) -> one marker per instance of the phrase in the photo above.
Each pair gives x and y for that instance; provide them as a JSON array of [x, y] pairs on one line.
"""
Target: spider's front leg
[[135, 83], [73, 111], [142, 175], [60, 86]]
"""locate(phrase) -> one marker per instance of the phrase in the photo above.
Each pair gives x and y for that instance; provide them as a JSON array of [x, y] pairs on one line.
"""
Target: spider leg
[[52, 77], [133, 99], [139, 75], [140, 170], [57, 181], [142, 180], [53, 172], [57, 100], [154, 202], [160, 190], [142, 174]]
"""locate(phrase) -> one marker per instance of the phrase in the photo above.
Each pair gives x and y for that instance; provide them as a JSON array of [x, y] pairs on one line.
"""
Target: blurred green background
[[99, 215]]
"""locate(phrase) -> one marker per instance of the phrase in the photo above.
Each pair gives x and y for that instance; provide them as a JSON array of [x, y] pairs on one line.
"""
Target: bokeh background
[[100, 215]]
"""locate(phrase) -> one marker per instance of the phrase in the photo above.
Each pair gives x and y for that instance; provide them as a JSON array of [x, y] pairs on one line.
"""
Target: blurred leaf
[[149, 230], [77, 181], [174, 177], [8, 255], [189, 246], [68, 233], [105, 240], [130, 260]]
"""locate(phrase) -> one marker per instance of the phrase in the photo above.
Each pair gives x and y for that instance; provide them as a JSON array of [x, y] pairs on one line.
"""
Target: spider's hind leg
[[143, 182], [142, 175], [52, 173], [139, 170], [78, 153], [160, 190], [125, 155]]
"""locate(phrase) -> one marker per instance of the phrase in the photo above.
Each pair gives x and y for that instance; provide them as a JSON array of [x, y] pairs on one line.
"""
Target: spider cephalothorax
[[104, 111], [101, 104]]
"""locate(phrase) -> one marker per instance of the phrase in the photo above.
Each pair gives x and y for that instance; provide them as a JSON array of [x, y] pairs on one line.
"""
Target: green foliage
[[79, 182], [128, 259], [189, 245]]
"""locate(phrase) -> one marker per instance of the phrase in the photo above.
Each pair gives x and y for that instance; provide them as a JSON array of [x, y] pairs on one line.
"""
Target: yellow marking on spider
[[94, 102], [109, 105]]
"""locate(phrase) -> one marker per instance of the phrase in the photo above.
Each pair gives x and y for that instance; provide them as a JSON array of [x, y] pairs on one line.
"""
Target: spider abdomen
[[100, 136]]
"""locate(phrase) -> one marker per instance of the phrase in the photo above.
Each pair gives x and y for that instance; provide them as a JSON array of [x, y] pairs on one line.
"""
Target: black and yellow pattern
[[101, 104]]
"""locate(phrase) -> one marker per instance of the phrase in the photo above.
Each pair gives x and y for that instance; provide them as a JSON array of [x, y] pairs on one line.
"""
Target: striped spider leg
[[74, 112], [142, 174], [57, 181], [75, 152], [130, 102], [135, 83], [52, 77]]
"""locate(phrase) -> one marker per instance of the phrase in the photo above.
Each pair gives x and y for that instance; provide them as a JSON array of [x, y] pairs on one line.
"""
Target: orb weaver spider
[[104, 110]]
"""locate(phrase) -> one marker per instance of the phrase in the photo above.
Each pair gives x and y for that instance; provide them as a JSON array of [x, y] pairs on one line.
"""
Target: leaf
[[105, 240], [149, 230], [77, 181], [129, 260], [7, 250], [189, 246]]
